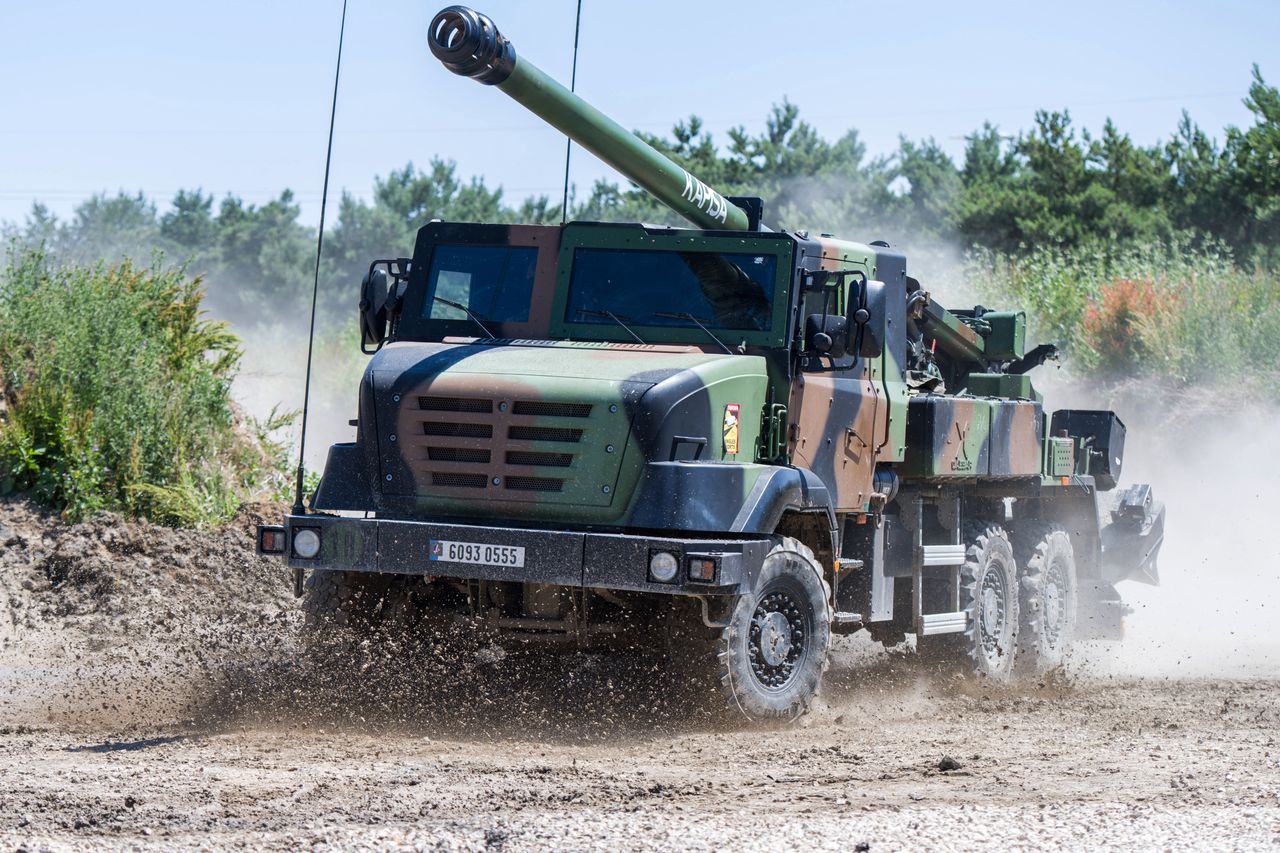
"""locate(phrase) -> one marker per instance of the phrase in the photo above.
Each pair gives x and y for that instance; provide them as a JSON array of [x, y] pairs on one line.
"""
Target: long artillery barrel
[[470, 45]]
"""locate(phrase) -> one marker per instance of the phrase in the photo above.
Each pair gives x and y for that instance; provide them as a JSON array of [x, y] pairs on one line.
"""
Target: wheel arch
[[813, 528]]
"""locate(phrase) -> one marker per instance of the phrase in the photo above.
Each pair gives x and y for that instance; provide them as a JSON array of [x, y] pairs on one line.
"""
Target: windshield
[[661, 288], [494, 282]]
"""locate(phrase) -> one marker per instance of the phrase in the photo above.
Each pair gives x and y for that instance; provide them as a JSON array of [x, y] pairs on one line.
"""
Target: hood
[[515, 430]]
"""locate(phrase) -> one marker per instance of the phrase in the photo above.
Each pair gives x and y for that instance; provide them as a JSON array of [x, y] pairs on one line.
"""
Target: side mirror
[[375, 291], [868, 319], [827, 334]]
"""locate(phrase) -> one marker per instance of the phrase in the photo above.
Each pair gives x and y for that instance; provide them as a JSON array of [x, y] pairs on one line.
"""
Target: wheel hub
[[992, 611], [777, 639]]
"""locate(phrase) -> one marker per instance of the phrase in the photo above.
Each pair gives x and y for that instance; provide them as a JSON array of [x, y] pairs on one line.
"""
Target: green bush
[[117, 394], [1179, 312]]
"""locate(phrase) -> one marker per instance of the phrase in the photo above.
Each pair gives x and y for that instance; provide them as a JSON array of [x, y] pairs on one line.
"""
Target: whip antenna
[[299, 507], [568, 142]]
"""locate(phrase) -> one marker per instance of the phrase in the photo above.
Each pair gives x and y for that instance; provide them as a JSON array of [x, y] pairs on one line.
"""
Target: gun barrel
[[468, 44]]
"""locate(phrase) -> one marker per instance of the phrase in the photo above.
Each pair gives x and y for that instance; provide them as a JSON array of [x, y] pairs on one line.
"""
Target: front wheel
[[774, 649]]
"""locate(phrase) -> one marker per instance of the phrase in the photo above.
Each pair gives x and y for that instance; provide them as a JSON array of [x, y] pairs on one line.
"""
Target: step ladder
[[954, 621]]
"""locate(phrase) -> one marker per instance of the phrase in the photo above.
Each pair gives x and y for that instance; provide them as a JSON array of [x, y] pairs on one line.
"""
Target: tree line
[[1052, 186]]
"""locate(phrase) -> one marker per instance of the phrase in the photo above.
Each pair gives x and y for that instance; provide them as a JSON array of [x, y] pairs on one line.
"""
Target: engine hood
[[532, 431]]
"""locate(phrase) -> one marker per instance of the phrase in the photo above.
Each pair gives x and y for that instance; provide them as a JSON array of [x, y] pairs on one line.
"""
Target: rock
[[948, 764]]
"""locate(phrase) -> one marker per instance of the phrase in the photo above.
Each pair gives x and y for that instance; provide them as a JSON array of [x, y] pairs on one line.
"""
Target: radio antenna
[[568, 142], [299, 507]]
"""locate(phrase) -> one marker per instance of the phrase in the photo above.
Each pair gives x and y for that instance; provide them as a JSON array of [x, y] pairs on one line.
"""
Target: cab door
[[836, 408]]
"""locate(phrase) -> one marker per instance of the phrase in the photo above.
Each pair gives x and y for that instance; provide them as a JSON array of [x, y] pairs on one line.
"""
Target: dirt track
[[152, 692], [1146, 764]]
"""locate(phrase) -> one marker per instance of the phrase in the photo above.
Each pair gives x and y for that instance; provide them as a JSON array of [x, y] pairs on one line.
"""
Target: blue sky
[[233, 96]]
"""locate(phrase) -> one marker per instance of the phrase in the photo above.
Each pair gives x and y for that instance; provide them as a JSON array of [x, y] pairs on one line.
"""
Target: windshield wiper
[[475, 318], [614, 317], [685, 315]]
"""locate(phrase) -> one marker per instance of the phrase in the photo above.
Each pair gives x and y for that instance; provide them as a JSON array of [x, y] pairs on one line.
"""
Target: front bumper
[[565, 558]]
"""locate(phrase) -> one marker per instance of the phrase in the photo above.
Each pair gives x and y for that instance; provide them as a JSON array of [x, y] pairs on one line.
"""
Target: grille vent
[[533, 457], [458, 454], [454, 404], [567, 435], [451, 480], [546, 408], [457, 430], [535, 484]]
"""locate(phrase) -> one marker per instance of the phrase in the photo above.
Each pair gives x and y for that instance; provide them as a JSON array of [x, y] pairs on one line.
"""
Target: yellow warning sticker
[[731, 429]]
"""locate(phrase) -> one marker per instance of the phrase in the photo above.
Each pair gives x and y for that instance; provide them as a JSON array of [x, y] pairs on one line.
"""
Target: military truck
[[722, 444]]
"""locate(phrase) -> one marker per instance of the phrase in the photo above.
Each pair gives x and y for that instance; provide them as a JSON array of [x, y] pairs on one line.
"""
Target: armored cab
[[718, 444]]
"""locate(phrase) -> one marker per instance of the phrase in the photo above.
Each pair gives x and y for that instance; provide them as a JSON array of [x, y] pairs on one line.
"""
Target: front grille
[[513, 450]]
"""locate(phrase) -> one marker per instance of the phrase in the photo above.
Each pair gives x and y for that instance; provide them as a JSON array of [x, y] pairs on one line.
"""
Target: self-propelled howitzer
[[721, 445], [469, 44]]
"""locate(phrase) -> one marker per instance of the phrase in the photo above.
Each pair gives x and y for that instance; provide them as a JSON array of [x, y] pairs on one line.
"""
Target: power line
[[265, 133]]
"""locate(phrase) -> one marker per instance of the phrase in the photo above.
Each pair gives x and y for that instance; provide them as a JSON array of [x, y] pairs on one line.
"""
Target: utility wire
[[568, 142], [299, 507]]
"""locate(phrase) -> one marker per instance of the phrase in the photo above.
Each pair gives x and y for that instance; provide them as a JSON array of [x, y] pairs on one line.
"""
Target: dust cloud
[[1208, 458], [272, 377]]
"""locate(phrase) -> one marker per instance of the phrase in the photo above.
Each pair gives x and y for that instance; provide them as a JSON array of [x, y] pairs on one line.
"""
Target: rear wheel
[[1049, 595], [989, 596], [773, 652]]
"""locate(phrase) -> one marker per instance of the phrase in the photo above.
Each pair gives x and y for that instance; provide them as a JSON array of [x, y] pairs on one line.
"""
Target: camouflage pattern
[[546, 426]]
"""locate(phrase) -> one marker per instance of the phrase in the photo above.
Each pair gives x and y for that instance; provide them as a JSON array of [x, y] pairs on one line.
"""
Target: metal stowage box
[[947, 437], [1106, 450]]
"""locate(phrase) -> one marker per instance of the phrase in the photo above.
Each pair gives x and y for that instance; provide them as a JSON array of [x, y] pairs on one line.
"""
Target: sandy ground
[[153, 693]]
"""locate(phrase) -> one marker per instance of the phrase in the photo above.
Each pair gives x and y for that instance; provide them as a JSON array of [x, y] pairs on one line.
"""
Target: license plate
[[476, 553]]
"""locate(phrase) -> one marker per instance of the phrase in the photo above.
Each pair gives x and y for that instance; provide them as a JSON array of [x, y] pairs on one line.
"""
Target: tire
[[771, 655], [1049, 593], [989, 595], [343, 601]]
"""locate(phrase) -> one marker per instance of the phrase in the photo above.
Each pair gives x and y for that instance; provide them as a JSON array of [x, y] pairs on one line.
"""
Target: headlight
[[306, 543], [663, 566]]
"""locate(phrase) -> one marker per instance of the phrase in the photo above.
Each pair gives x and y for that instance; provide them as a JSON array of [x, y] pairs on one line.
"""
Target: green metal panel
[[1059, 457], [1001, 385], [1008, 337]]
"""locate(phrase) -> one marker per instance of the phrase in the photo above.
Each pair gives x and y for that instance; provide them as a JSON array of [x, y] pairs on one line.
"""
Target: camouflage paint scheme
[[544, 426]]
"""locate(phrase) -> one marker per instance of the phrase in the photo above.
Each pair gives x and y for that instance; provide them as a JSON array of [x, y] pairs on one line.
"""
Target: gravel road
[[152, 694], [1136, 764]]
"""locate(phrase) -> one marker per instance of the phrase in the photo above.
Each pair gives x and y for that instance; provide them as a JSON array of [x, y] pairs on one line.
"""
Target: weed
[[117, 393]]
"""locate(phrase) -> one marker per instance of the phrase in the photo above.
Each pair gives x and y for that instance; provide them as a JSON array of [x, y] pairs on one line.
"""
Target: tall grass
[[116, 394], [1182, 313]]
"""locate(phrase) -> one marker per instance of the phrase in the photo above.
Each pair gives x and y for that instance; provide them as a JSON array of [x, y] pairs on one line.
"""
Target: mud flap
[[1131, 542]]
